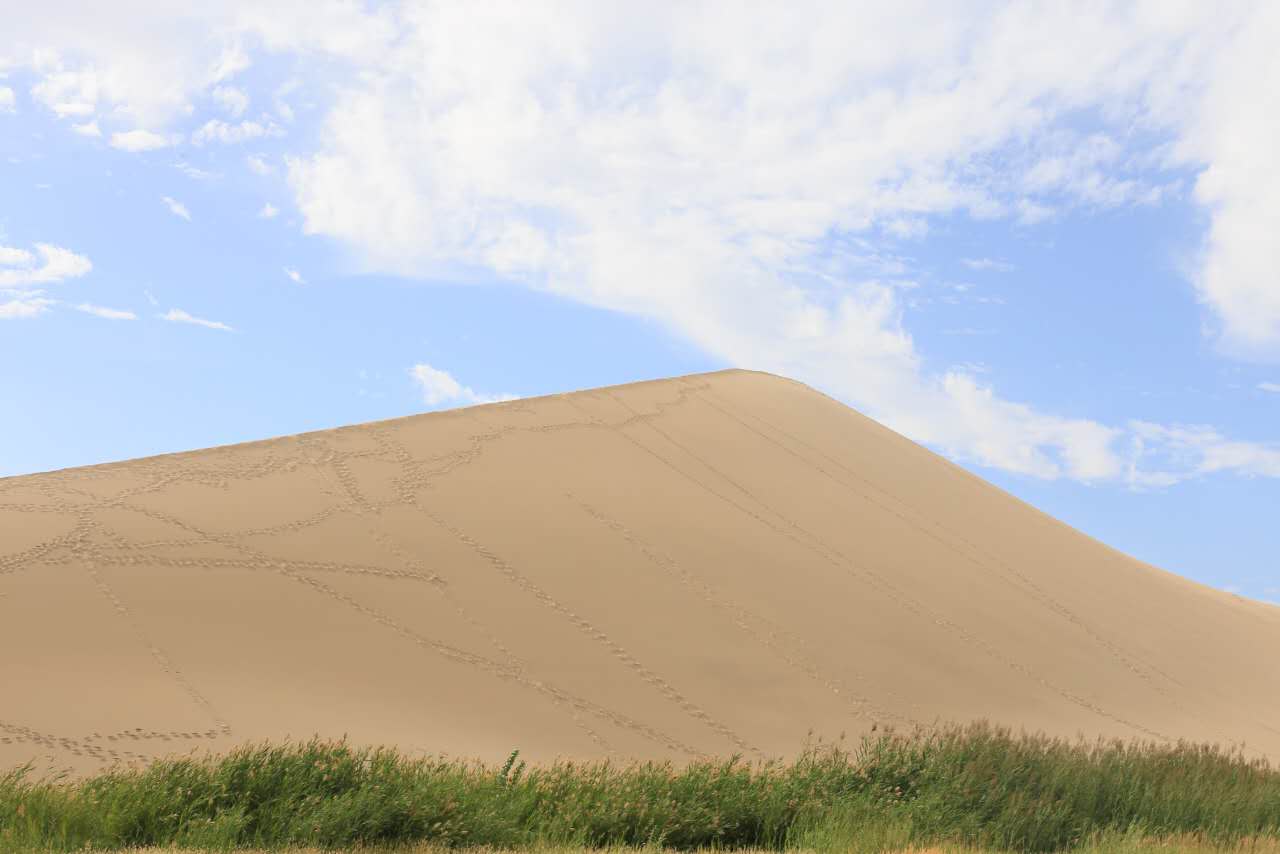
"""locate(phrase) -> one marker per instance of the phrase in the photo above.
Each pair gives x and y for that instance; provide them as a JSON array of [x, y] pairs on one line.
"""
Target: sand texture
[[712, 564]]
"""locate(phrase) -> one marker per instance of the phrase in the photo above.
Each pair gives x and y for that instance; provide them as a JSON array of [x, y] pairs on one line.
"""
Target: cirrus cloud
[[106, 313], [177, 315], [176, 208]]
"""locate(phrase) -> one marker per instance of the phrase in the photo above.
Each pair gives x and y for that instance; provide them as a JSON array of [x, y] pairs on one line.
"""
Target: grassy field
[[972, 788], [1122, 844]]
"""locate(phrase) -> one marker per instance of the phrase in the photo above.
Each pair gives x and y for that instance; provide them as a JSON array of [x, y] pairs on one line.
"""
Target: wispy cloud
[[177, 315], [1274, 388], [258, 165], [193, 171], [106, 313], [595, 182], [1163, 455], [139, 140], [992, 264], [439, 388], [8, 103], [268, 211], [89, 129], [68, 92], [216, 130], [728, 266], [231, 99], [23, 305], [48, 264], [176, 208], [294, 275]]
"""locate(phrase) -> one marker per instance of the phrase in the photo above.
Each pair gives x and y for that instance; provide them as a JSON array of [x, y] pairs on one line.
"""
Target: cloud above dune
[[694, 172], [440, 389], [735, 174]]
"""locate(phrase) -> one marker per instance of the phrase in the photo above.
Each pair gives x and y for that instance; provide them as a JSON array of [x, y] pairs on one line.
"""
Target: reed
[[975, 787]]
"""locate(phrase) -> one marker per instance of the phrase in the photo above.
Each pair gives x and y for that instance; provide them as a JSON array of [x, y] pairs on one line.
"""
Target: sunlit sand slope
[[705, 565]]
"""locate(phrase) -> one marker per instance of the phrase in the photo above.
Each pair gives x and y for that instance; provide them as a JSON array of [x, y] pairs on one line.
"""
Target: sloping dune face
[[713, 564]]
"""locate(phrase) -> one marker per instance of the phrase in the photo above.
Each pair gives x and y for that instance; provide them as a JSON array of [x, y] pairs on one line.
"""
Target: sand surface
[[705, 565]]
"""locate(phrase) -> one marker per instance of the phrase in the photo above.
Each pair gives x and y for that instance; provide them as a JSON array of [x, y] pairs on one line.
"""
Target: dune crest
[[711, 564]]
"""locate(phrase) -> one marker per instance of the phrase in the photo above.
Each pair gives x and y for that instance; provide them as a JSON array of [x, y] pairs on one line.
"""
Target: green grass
[[977, 786]]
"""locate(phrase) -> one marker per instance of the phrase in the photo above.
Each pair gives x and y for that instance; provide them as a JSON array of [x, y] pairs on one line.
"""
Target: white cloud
[[906, 228], [216, 130], [1234, 130], [1271, 387], [439, 388], [694, 169], [23, 305], [992, 264], [258, 165], [88, 129], [176, 208], [659, 171], [1163, 455], [193, 171], [152, 61], [1033, 213], [234, 101], [269, 211], [139, 140], [48, 264], [11, 256], [294, 275], [8, 103], [66, 92], [106, 313], [177, 315], [231, 61], [22, 268]]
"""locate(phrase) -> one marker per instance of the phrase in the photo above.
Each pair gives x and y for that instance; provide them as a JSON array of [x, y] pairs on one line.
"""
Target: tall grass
[[977, 786]]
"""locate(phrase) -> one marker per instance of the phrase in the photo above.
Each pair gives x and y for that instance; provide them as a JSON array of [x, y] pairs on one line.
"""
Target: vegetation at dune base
[[975, 787]]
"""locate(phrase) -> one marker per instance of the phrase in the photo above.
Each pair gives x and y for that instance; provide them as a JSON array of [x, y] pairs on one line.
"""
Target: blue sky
[[1055, 265]]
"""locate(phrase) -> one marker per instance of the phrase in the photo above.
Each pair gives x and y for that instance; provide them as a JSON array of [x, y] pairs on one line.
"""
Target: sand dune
[[705, 565]]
